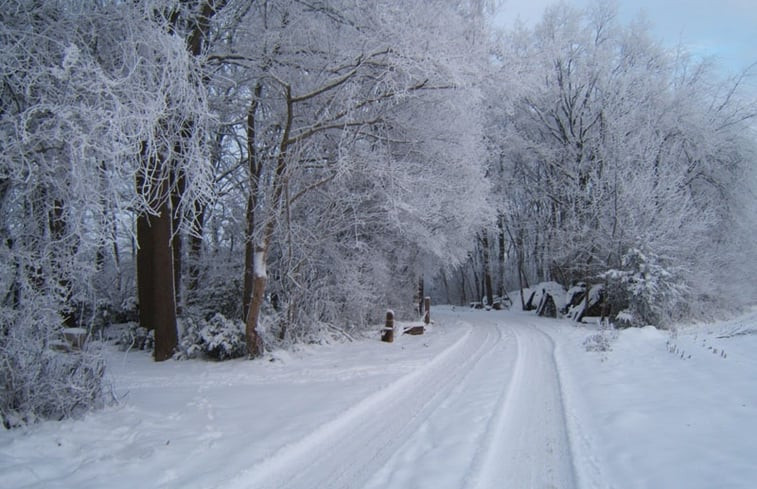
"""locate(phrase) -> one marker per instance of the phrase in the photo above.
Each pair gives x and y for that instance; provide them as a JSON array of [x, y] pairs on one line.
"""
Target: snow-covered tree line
[[292, 164], [296, 165], [614, 159]]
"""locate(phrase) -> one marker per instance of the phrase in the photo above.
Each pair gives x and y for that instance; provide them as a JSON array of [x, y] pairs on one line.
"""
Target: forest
[[231, 176]]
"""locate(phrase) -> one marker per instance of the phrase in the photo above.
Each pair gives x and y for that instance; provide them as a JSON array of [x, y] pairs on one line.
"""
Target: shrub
[[646, 289], [39, 379], [597, 342], [218, 338]]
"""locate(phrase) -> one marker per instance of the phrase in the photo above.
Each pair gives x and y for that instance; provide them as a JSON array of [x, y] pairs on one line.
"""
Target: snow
[[553, 288], [482, 398], [662, 410], [258, 265]]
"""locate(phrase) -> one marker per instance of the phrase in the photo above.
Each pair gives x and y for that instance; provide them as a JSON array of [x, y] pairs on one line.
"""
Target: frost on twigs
[[39, 381]]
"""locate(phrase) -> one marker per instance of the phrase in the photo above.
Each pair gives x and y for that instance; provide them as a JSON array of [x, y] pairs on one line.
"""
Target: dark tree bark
[[161, 183], [155, 274]]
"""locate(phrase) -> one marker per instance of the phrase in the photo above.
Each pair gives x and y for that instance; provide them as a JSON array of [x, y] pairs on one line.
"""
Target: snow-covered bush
[[39, 378], [601, 341], [646, 290], [597, 342], [218, 338]]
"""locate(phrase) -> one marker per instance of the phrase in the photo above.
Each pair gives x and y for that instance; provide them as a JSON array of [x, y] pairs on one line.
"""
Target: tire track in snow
[[506, 418], [487, 412], [516, 433], [528, 444], [345, 452]]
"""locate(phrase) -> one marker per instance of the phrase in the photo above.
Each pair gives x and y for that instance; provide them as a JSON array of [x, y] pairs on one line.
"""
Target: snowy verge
[[662, 410], [195, 424]]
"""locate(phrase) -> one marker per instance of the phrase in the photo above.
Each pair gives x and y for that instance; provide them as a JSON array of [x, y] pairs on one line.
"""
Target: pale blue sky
[[726, 29]]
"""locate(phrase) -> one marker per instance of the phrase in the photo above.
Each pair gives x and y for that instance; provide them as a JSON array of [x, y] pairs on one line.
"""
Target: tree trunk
[[155, 275], [487, 268], [254, 168], [157, 307], [254, 342]]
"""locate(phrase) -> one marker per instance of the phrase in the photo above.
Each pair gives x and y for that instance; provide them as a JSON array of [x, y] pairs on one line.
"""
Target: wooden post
[[427, 308], [387, 334]]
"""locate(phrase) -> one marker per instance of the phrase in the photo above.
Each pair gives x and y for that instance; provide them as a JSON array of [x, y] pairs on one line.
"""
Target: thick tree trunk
[[157, 307], [155, 276]]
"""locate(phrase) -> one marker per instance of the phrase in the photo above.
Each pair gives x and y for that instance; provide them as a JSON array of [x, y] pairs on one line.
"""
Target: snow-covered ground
[[484, 399], [662, 410]]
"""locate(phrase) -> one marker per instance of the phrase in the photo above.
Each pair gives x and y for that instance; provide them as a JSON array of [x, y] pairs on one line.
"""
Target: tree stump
[[427, 308], [387, 334]]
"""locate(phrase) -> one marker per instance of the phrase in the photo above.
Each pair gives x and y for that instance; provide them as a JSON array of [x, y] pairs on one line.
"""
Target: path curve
[[487, 412]]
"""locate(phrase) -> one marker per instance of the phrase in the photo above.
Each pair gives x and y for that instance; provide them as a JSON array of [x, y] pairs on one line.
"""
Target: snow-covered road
[[484, 400], [486, 412]]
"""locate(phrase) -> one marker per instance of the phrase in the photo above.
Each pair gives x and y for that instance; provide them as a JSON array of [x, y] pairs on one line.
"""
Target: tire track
[[345, 452], [485, 413], [527, 444]]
